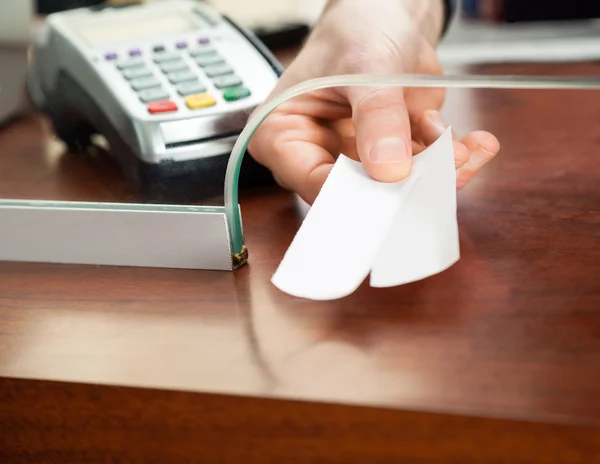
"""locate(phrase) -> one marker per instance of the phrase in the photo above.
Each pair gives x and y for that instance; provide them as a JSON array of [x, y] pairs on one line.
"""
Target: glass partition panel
[[536, 107]]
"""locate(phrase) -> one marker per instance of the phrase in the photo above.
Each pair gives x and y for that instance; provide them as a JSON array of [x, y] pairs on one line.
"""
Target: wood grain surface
[[495, 360]]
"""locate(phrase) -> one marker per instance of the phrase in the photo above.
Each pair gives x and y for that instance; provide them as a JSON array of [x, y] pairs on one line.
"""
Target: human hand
[[381, 127]]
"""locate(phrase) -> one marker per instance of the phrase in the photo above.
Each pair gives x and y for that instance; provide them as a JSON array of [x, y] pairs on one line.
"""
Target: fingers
[[301, 167], [300, 150], [344, 128], [304, 169], [482, 147], [429, 126], [470, 154], [383, 137], [297, 150], [417, 147]]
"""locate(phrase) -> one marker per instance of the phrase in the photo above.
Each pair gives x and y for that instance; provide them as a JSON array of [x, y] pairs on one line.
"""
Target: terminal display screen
[[104, 32]]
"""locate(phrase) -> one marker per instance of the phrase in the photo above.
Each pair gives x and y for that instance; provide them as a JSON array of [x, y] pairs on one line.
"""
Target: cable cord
[[232, 210]]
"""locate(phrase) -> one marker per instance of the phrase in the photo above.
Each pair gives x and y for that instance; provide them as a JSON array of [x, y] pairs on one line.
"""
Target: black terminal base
[[76, 119], [284, 36]]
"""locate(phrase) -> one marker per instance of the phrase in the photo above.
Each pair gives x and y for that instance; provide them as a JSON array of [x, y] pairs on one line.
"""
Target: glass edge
[[104, 206]]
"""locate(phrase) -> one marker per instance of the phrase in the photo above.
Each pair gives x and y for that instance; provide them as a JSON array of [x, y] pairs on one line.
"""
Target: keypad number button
[[136, 73], [231, 80], [171, 66], [163, 57], [217, 70], [208, 60], [203, 51], [189, 88], [181, 76], [144, 83], [151, 95], [162, 106], [130, 63]]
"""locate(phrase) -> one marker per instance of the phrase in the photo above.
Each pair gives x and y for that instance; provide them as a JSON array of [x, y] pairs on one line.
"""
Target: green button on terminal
[[236, 93]]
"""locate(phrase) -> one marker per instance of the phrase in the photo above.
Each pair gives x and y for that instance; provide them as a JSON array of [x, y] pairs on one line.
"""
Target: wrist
[[427, 16]]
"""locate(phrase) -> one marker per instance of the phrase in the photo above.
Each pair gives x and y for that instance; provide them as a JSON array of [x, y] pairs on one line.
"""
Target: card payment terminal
[[169, 84]]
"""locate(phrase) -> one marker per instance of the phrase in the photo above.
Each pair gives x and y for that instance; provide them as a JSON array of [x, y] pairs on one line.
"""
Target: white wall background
[[15, 21], [265, 12]]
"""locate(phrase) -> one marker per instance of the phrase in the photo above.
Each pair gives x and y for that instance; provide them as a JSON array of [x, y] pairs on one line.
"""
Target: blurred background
[[546, 36], [484, 31]]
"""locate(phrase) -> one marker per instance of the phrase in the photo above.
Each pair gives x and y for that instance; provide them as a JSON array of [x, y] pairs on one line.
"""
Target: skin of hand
[[382, 127]]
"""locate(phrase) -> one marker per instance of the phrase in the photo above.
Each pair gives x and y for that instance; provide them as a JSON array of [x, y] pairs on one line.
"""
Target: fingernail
[[435, 118], [480, 157], [390, 150]]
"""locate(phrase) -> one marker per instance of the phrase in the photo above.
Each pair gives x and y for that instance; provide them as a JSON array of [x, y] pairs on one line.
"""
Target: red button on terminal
[[162, 106]]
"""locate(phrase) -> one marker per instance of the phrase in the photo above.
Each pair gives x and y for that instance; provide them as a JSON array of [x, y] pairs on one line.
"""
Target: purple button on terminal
[[181, 44], [111, 56], [203, 40], [135, 52]]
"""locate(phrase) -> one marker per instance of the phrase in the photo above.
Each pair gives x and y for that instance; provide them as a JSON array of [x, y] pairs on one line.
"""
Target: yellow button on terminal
[[200, 100]]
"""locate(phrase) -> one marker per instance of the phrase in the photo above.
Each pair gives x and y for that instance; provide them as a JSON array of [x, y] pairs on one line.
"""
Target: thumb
[[382, 128]]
